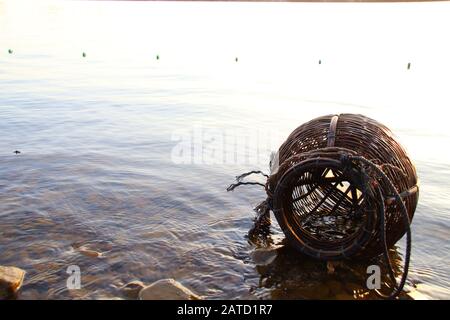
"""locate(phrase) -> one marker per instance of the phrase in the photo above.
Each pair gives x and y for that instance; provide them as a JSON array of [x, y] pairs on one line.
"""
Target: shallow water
[[99, 168]]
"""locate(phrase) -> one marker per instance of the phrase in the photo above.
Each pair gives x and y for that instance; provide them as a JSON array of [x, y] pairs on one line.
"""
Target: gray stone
[[264, 257], [167, 289], [132, 289]]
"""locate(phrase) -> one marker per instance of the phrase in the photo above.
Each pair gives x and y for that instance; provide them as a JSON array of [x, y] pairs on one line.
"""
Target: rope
[[240, 183], [397, 287], [262, 219], [384, 242], [239, 178], [242, 176]]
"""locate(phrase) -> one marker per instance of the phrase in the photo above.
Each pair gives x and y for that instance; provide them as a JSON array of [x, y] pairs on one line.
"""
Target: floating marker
[[10, 51], [409, 65], [157, 57], [236, 59], [320, 61], [84, 54]]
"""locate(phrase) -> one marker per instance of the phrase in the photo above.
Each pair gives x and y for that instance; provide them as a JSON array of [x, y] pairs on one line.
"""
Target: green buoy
[[84, 54], [409, 65], [236, 59], [320, 61], [157, 57], [10, 51]]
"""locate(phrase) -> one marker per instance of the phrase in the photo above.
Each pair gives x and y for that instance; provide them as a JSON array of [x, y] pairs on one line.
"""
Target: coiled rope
[[397, 287], [242, 176]]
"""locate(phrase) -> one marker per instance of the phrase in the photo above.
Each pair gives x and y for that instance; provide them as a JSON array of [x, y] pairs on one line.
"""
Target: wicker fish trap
[[342, 187]]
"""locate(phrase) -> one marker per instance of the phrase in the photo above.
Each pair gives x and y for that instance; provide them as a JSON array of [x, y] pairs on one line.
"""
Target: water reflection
[[287, 274]]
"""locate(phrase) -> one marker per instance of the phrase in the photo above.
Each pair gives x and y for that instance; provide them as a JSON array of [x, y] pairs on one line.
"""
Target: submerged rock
[[132, 289], [89, 253], [264, 257], [167, 289], [11, 279], [88, 250]]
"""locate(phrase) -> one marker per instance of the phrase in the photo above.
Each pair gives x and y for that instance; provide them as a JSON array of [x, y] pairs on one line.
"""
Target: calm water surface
[[98, 133]]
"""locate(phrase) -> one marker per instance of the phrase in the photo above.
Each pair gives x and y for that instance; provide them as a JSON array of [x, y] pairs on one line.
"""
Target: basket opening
[[324, 208], [328, 208]]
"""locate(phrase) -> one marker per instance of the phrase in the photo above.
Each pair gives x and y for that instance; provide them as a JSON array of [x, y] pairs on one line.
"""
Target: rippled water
[[98, 173]]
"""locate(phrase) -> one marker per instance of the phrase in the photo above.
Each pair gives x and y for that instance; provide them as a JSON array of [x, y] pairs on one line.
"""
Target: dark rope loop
[[378, 170], [239, 178], [242, 176], [381, 199], [240, 183]]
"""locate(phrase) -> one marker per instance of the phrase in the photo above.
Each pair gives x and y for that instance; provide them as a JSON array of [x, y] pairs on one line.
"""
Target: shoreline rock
[[167, 289], [11, 279], [131, 289], [263, 256]]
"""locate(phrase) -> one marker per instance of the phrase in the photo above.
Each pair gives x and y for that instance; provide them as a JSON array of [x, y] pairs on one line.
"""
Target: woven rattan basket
[[328, 199], [341, 186]]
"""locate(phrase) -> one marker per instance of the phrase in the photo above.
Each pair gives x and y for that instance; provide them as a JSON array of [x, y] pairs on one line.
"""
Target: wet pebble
[[89, 253], [11, 279], [131, 290], [167, 289], [263, 257], [92, 250]]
